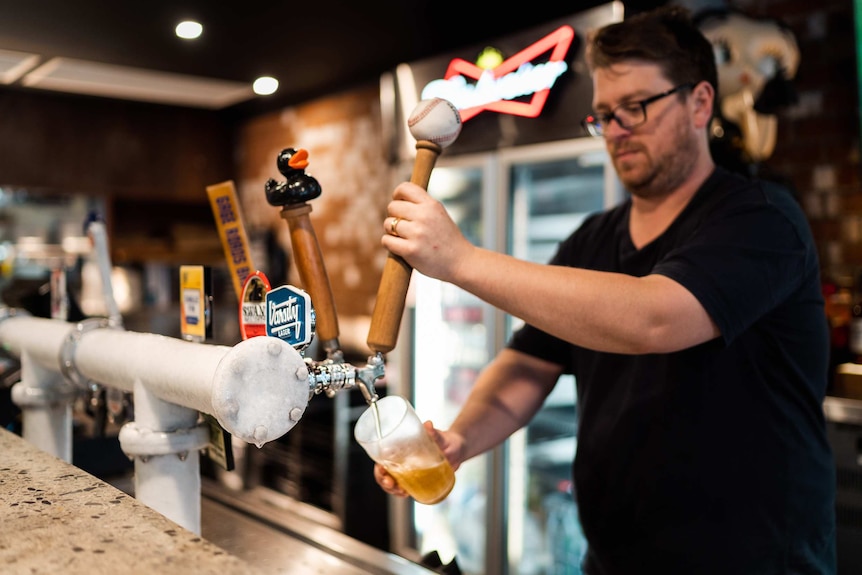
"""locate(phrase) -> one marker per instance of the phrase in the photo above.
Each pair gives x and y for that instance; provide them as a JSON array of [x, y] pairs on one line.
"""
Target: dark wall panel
[[113, 148]]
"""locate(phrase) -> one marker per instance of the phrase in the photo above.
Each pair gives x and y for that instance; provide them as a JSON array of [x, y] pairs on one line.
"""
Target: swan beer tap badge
[[252, 305], [284, 312]]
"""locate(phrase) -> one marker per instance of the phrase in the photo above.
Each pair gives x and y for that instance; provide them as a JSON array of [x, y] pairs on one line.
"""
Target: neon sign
[[497, 89]]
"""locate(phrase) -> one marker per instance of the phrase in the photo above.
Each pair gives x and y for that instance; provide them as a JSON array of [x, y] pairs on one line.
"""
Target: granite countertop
[[56, 518]]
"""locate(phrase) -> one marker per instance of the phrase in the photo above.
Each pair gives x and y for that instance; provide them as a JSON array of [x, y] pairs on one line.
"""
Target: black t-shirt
[[713, 459]]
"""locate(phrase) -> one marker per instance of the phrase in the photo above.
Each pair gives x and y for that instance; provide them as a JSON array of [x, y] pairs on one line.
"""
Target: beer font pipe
[[111, 403], [95, 229], [257, 390]]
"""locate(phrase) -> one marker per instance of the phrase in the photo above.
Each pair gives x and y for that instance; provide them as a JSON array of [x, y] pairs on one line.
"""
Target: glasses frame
[[596, 123]]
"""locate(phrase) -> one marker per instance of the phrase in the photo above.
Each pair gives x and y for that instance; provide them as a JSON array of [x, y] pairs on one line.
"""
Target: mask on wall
[[756, 60]]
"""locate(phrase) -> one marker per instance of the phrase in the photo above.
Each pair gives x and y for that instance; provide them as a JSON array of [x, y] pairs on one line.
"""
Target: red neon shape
[[559, 40]]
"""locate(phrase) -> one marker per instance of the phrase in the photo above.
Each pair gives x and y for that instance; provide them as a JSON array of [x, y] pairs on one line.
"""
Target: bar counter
[[56, 518]]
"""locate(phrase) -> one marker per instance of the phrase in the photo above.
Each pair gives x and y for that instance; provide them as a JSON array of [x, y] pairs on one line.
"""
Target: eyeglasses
[[628, 115]]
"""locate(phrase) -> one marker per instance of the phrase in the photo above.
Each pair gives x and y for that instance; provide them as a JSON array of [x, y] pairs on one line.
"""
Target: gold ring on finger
[[393, 227]]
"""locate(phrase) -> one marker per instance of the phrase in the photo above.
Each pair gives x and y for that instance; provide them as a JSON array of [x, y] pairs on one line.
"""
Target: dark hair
[[666, 36]]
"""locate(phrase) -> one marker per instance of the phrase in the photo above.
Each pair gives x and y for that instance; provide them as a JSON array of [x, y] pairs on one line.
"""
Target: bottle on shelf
[[838, 298]]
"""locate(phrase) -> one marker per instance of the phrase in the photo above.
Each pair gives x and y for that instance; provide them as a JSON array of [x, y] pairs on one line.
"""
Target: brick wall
[[346, 155], [817, 150], [818, 138]]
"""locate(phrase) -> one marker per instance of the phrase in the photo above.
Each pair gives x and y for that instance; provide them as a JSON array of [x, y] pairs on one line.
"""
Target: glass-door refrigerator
[[511, 511]]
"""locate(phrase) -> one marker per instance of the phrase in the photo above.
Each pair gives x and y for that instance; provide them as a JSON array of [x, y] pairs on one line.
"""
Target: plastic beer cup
[[402, 445]]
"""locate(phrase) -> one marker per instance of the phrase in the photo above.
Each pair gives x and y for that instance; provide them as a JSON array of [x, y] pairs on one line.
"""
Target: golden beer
[[426, 485], [394, 436]]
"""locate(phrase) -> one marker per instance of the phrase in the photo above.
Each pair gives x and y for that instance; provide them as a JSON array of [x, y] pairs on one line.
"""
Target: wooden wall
[[149, 163], [114, 148]]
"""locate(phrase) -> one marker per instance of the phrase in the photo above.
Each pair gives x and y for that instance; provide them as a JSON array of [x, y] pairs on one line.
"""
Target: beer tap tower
[[434, 124], [332, 374], [256, 390]]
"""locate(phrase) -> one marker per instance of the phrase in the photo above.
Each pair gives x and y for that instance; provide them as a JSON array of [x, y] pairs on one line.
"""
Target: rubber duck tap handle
[[292, 195]]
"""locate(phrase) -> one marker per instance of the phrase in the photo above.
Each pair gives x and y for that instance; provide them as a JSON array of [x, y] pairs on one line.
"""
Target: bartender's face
[[652, 158]]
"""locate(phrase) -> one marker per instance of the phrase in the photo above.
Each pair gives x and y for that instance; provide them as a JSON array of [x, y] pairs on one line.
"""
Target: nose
[[613, 129]]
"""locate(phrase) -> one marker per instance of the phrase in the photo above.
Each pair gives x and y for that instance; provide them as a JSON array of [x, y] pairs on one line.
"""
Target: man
[[692, 319]]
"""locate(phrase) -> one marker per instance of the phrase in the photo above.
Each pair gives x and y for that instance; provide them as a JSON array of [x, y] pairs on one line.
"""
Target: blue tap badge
[[289, 315]]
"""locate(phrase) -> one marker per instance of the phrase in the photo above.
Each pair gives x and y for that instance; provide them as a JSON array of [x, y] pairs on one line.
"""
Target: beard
[[657, 172]]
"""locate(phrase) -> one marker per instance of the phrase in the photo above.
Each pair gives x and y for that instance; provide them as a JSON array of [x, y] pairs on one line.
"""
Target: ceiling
[[128, 50]]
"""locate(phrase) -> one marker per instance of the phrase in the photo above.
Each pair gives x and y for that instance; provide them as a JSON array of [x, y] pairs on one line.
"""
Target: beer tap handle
[[292, 195], [392, 292], [95, 229], [312, 271], [435, 124]]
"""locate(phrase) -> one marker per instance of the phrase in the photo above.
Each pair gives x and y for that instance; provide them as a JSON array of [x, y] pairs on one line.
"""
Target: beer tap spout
[[330, 376], [367, 375]]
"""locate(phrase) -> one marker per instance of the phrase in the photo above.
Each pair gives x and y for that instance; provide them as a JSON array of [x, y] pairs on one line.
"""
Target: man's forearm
[[508, 392]]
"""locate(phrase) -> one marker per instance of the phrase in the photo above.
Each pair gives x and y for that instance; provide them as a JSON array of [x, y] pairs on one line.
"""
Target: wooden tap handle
[[312, 272], [392, 292]]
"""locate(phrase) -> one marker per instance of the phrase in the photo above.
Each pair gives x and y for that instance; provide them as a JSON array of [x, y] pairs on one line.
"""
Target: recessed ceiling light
[[265, 85], [189, 29]]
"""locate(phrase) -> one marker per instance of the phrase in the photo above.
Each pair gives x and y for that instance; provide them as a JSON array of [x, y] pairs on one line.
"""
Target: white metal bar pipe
[[45, 399], [40, 338], [257, 390], [175, 370], [166, 441]]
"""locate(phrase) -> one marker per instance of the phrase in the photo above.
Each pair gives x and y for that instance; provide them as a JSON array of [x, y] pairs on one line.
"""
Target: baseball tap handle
[[392, 292], [292, 195], [435, 124]]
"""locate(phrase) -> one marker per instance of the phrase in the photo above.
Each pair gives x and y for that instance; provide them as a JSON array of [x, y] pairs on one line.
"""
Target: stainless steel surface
[[265, 547], [843, 410], [280, 535]]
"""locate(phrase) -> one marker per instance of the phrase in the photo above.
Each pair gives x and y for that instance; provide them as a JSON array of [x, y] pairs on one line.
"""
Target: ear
[[703, 102]]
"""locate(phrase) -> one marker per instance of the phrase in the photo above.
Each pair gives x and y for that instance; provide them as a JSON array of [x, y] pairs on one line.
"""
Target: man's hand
[[420, 230], [451, 444]]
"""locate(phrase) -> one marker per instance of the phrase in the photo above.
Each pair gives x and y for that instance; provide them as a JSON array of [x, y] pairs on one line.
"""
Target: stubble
[[654, 173]]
